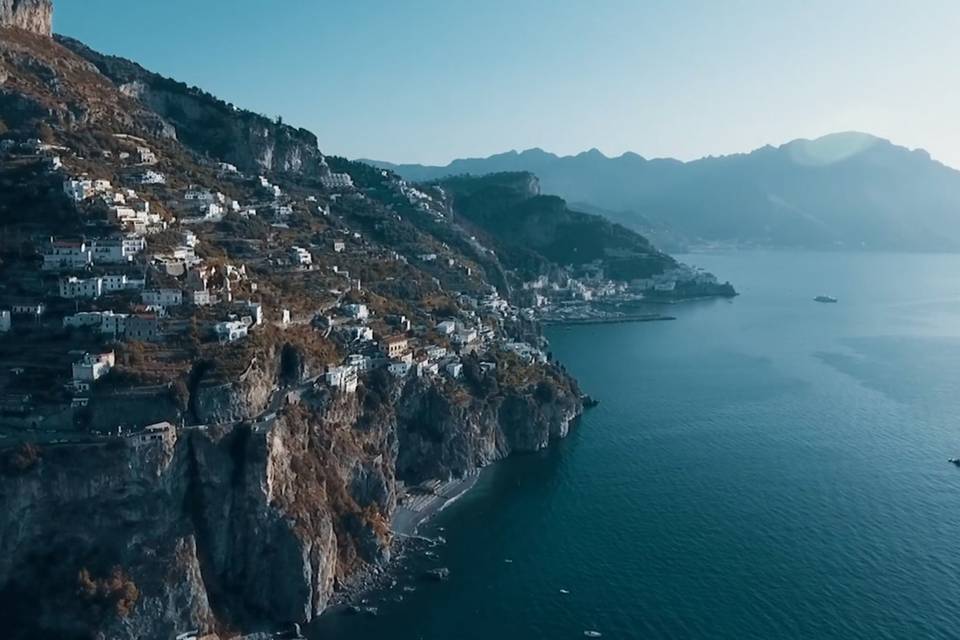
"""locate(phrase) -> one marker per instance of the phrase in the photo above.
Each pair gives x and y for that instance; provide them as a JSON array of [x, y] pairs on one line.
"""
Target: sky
[[432, 80]]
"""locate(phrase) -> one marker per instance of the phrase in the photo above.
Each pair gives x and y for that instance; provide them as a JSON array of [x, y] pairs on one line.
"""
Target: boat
[[954, 461], [825, 299], [592, 634]]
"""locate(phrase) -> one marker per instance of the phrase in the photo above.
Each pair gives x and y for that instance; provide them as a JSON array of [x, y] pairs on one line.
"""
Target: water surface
[[767, 467]]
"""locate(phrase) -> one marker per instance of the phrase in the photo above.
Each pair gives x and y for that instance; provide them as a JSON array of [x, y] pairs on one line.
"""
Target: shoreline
[[434, 497], [431, 498], [648, 317]]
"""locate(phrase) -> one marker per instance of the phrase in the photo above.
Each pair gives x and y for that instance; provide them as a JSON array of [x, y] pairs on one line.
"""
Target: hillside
[[223, 358], [533, 231], [847, 190], [228, 360]]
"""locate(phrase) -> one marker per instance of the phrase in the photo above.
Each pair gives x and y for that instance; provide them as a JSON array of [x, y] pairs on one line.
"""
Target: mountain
[[845, 190]]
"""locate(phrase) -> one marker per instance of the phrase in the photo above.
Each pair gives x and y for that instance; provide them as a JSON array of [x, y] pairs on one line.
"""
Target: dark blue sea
[[763, 468]]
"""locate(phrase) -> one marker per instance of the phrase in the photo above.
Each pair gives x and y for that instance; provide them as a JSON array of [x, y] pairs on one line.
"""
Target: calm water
[[764, 468]]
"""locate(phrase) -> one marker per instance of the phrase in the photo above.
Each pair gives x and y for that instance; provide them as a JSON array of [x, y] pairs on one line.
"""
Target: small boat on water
[[825, 299], [592, 634], [954, 461]]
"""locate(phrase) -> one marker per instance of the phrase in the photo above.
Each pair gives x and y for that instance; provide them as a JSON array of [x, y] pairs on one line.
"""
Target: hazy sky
[[431, 80]]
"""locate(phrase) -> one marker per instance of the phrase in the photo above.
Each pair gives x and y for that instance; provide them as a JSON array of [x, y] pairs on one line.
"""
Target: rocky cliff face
[[240, 526], [252, 142], [32, 15]]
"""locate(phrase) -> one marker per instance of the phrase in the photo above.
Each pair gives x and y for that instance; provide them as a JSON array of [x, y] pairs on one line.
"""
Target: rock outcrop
[[208, 125], [32, 15]]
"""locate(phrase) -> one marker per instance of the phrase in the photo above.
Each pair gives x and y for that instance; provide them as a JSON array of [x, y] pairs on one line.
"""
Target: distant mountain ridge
[[844, 190]]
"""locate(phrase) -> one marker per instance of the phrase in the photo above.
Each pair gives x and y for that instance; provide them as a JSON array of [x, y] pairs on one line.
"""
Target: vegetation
[[116, 592], [532, 231]]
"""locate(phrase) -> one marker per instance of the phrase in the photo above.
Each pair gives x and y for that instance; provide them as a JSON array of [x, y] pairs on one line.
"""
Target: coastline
[[427, 500], [430, 498], [647, 317]]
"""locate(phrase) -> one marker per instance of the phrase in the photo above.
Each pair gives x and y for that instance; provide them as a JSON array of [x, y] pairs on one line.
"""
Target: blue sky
[[431, 80]]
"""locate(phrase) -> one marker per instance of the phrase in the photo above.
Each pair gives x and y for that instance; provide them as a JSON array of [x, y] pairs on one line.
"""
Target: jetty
[[612, 319]]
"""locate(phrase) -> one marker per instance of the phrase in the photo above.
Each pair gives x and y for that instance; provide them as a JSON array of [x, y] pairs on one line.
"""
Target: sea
[[766, 467]]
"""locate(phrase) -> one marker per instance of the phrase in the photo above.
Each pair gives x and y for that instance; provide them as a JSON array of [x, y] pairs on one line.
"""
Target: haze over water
[[763, 468]]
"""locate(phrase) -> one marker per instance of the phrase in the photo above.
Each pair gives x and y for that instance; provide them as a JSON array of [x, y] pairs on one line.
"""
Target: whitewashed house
[[301, 256], [335, 181], [343, 378], [78, 190], [230, 330], [92, 366], [357, 311], [73, 287], [152, 177], [162, 297], [66, 255]]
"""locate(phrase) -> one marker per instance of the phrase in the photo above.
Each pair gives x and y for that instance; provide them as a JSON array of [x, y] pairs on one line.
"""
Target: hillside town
[[139, 275]]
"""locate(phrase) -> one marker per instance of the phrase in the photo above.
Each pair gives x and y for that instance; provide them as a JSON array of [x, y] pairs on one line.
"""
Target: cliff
[[281, 491], [238, 527], [208, 125], [32, 15]]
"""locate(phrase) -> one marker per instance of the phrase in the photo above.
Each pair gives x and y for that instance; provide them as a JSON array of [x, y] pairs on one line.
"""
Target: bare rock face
[[32, 15], [243, 525]]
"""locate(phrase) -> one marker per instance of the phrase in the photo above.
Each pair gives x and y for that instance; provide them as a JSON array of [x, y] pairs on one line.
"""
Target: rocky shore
[[244, 528]]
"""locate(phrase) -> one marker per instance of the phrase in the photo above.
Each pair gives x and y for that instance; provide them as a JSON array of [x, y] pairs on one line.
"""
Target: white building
[[339, 246], [464, 336], [435, 352], [211, 209], [81, 287], [447, 327], [92, 367], [66, 254], [162, 297], [301, 256], [34, 309], [358, 311], [113, 324], [196, 194], [78, 190], [83, 319], [152, 177], [337, 181], [112, 283], [146, 155], [343, 378], [359, 361], [454, 369], [200, 298], [425, 367], [399, 368], [255, 309], [359, 333], [163, 433], [117, 250], [230, 331]]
